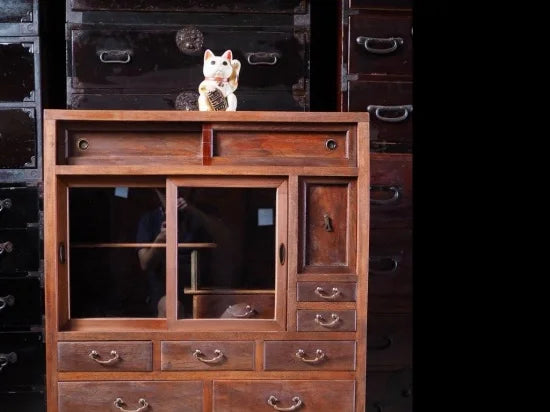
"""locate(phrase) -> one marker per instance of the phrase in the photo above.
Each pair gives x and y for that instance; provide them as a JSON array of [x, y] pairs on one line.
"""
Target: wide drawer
[[380, 44], [393, 4], [20, 302], [17, 138], [22, 360], [389, 340], [238, 306], [312, 396], [326, 321], [309, 355], [102, 396], [23, 401], [391, 191], [18, 206], [105, 356], [17, 83], [19, 250], [326, 291], [203, 355], [149, 59], [390, 391]]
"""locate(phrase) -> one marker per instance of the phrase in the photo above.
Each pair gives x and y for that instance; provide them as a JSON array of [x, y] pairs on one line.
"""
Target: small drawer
[[23, 400], [326, 321], [105, 356], [114, 396], [390, 391], [20, 302], [239, 306], [309, 355], [19, 18], [17, 82], [326, 291], [312, 396], [22, 359], [202, 355], [18, 141], [382, 4], [389, 340], [18, 206], [19, 250]]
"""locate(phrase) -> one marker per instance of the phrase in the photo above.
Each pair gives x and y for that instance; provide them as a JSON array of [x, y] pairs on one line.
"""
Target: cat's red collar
[[219, 80]]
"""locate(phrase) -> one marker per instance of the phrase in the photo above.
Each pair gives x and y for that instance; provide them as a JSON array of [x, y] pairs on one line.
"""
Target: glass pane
[[117, 252], [226, 252]]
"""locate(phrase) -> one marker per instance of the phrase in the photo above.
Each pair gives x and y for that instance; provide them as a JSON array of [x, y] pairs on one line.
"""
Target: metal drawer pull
[[119, 402], [319, 352], [263, 58], [198, 355], [396, 191], [321, 292], [380, 259], [115, 357], [328, 223], [249, 311], [82, 144], [388, 341], [321, 321], [331, 144], [6, 247], [5, 204], [117, 56], [406, 109], [272, 400], [394, 41], [6, 301], [6, 358]]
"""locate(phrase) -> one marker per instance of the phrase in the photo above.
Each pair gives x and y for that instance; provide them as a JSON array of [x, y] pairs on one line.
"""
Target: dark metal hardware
[[5, 204], [368, 42], [395, 190], [405, 109], [282, 253], [190, 40], [61, 252], [6, 247], [262, 58], [328, 223], [6, 358], [115, 56], [374, 260], [331, 144], [388, 341], [6, 301]]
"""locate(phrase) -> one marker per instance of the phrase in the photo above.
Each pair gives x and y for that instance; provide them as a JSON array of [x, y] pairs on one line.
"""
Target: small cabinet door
[[17, 138], [17, 83]]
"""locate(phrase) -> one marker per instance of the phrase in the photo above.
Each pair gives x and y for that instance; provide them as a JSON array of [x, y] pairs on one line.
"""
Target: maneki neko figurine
[[221, 78]]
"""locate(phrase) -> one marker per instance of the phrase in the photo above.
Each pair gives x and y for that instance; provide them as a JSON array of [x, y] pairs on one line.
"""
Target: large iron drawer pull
[[115, 56], [262, 58], [378, 110], [368, 42], [6, 358], [6, 301], [5, 204]]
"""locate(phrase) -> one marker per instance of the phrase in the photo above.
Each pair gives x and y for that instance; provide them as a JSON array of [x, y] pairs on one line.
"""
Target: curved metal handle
[[319, 291], [116, 53], [328, 223], [5, 204], [320, 355], [375, 259], [321, 321], [379, 407], [6, 247], [272, 400], [119, 402], [406, 109], [273, 58], [95, 355], [6, 301], [249, 311], [388, 341], [395, 190], [395, 42], [6, 358], [198, 355]]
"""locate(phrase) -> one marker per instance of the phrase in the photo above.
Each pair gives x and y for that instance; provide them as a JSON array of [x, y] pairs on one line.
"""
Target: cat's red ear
[[208, 54], [228, 55]]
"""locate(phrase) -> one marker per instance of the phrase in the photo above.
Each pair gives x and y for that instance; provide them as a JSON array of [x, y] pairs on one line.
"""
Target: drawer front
[[234, 306], [23, 401], [391, 191], [313, 396], [390, 391], [309, 355], [326, 321], [390, 271], [147, 59], [326, 291], [17, 71], [105, 356], [16, 11], [240, 6], [327, 240], [17, 138], [391, 113], [18, 206], [383, 4], [20, 302], [101, 396], [177, 356], [380, 44], [22, 359], [389, 340], [18, 250]]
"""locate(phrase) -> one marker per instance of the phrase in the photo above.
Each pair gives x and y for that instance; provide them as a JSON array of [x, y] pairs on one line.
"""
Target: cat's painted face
[[217, 66]]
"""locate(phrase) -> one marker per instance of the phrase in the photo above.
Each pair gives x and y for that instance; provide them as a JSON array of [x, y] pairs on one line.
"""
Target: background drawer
[[393, 4], [22, 354], [335, 356], [100, 396], [180, 355], [19, 249], [21, 302], [19, 18], [17, 138], [252, 396], [306, 292], [335, 321], [18, 206], [217, 306], [133, 356], [23, 401], [17, 83], [390, 391], [389, 341]]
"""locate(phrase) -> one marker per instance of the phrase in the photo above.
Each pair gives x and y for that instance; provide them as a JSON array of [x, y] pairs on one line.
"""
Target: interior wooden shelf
[[228, 291], [139, 245]]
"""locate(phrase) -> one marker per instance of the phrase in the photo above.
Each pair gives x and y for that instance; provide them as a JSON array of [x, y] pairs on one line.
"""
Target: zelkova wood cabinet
[[206, 261]]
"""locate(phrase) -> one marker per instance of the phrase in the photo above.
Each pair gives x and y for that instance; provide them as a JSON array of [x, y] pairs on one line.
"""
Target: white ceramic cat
[[221, 78]]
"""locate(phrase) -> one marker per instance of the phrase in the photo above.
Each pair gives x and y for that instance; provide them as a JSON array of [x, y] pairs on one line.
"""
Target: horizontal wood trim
[[204, 375]]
